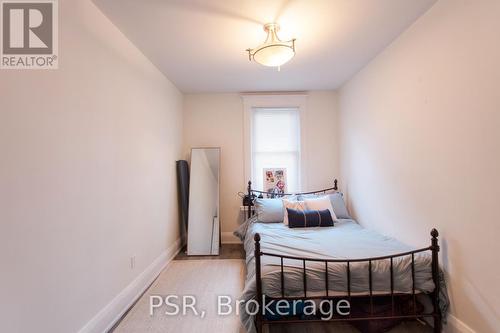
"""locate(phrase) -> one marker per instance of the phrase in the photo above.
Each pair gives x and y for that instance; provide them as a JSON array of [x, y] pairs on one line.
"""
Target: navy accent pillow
[[309, 218]]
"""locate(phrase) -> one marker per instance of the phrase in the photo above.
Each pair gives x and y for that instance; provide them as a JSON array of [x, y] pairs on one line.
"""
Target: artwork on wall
[[275, 180]]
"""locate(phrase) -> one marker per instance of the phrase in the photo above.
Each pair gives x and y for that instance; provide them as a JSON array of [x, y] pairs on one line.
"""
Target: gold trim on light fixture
[[273, 52]]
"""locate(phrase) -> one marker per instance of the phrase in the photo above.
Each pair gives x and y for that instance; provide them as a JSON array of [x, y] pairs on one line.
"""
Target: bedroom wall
[[216, 120], [420, 148], [87, 175]]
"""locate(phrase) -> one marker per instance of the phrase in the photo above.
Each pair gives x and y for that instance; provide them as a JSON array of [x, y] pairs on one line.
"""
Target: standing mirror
[[203, 223]]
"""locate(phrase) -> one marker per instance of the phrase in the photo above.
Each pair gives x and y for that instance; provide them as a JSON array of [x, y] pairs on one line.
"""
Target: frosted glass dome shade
[[273, 52]]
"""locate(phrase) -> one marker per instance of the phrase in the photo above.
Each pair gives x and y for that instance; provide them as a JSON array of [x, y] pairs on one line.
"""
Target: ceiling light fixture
[[273, 52]]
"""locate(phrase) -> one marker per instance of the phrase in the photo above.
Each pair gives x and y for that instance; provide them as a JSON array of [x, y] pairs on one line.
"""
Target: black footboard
[[410, 313]]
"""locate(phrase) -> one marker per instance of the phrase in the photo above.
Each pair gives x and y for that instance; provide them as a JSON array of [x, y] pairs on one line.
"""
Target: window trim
[[292, 100]]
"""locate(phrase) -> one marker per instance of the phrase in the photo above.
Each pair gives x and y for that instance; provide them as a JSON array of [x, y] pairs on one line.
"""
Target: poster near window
[[275, 180]]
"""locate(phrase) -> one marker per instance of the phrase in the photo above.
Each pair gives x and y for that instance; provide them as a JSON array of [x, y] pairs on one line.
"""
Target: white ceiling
[[200, 44]]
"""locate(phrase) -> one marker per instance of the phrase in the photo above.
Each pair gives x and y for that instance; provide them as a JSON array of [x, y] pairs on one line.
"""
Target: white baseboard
[[455, 325], [111, 313], [229, 238]]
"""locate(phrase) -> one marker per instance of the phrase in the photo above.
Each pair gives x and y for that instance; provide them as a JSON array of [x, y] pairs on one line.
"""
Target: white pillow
[[297, 205], [320, 203]]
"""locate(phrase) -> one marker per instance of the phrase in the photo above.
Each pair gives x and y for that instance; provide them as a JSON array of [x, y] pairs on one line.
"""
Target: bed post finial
[[256, 237], [434, 240], [335, 185]]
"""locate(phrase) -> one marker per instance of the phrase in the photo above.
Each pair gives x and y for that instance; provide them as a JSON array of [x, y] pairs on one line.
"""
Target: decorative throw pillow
[[320, 203], [339, 206], [269, 210], [296, 205], [309, 218]]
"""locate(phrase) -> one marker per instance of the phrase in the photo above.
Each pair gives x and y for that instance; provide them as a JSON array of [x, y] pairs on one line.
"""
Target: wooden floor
[[207, 279], [226, 251]]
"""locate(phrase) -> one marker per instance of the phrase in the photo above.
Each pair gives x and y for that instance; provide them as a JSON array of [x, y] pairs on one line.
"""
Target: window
[[275, 143]]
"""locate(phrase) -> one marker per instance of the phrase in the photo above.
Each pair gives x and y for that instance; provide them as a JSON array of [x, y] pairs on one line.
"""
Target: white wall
[[216, 120], [87, 175], [420, 148]]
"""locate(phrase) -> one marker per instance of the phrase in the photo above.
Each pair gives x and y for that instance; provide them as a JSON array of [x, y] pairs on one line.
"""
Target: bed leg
[[437, 324], [258, 317], [435, 278], [258, 326]]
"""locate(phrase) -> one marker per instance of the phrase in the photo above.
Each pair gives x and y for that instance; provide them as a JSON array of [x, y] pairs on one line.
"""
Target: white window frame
[[291, 101]]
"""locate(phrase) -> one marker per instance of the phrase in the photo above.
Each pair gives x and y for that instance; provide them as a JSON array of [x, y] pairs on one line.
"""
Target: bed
[[344, 262]]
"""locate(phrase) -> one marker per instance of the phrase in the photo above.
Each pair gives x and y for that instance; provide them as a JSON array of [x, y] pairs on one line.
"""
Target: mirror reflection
[[203, 224]]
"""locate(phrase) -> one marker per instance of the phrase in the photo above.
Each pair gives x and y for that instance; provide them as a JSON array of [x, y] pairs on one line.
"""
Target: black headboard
[[251, 194]]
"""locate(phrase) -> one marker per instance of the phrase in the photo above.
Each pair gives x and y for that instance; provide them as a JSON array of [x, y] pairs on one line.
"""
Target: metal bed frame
[[412, 312]]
